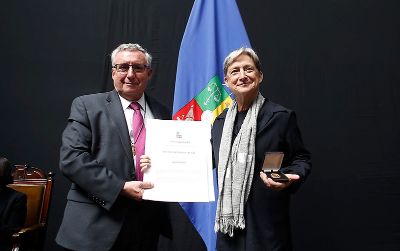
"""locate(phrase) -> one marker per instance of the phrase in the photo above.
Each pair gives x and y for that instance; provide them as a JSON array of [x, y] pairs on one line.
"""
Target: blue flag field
[[214, 29]]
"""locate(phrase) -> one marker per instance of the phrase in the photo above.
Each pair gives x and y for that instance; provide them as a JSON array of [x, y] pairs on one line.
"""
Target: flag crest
[[207, 104]]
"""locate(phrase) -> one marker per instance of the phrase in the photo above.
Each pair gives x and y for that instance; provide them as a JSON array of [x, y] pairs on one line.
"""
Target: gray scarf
[[236, 168]]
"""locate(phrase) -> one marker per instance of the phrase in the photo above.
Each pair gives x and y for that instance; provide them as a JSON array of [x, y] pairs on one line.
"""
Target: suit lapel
[[3, 203], [6, 198], [265, 115], [114, 109]]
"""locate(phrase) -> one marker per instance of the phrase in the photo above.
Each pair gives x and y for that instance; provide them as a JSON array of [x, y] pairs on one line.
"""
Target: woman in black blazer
[[12, 206], [253, 209]]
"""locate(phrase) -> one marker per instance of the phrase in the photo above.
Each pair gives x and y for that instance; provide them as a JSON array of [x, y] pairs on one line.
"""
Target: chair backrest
[[38, 187]]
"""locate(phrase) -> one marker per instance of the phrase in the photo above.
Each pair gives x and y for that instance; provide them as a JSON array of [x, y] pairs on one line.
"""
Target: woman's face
[[243, 78]]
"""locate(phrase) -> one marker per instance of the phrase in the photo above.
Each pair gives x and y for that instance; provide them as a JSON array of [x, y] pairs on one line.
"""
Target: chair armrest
[[27, 230], [17, 238]]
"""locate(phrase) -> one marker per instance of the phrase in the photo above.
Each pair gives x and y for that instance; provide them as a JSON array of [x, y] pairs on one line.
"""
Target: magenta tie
[[139, 136]]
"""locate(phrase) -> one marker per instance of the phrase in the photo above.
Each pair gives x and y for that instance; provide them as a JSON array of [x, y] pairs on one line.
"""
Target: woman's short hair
[[5, 172], [236, 53], [131, 47]]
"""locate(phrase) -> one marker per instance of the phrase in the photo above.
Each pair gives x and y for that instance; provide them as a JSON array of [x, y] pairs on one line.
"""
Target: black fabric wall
[[335, 62]]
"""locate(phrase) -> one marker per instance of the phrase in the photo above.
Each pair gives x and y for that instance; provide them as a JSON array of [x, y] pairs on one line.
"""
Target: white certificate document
[[181, 161]]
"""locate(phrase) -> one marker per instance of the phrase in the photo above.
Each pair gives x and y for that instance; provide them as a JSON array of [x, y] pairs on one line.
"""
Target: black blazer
[[96, 156], [12, 215], [267, 211]]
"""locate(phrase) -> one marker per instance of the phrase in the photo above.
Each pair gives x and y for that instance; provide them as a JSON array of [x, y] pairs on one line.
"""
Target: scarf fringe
[[228, 225]]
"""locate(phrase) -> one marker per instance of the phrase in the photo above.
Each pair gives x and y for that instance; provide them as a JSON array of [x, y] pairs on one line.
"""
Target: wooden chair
[[38, 187]]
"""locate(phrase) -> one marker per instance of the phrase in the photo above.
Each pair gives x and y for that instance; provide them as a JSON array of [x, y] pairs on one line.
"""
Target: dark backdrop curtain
[[334, 62]]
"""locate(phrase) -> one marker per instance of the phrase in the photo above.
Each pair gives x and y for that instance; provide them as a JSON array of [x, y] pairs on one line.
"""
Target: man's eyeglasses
[[124, 68]]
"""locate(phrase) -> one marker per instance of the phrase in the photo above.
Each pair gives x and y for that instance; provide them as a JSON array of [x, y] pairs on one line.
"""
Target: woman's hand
[[278, 186]]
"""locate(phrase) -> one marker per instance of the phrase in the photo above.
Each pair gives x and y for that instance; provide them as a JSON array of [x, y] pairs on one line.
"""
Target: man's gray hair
[[241, 51], [130, 47]]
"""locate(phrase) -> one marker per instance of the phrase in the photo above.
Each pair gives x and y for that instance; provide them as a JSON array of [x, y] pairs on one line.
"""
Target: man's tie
[[139, 137]]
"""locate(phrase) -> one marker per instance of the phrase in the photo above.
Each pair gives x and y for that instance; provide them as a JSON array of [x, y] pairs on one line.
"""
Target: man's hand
[[145, 163], [278, 186], [135, 189]]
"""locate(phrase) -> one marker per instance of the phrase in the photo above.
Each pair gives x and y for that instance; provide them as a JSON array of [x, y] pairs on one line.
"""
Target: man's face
[[243, 78], [131, 84]]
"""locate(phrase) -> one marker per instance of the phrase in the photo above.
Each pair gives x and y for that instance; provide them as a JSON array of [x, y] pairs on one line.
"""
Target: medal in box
[[271, 166]]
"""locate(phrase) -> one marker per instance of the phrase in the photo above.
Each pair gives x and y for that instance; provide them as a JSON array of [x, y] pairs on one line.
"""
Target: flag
[[214, 29]]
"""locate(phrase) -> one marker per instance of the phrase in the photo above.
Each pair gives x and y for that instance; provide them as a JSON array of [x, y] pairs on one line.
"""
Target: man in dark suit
[[99, 152], [12, 206]]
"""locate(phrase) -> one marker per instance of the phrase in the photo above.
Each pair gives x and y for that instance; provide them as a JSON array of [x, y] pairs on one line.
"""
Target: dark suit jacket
[[96, 157], [12, 215], [267, 211]]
